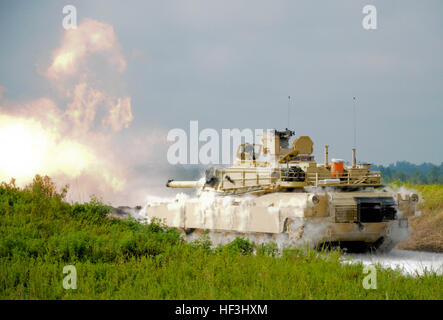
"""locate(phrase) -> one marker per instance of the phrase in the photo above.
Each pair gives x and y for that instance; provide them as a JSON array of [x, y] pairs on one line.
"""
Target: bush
[[239, 246]]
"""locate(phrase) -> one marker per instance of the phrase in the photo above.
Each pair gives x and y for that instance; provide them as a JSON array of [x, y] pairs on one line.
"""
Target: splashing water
[[414, 263]]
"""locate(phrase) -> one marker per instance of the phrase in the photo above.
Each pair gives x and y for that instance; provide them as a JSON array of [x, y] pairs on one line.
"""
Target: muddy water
[[414, 263]]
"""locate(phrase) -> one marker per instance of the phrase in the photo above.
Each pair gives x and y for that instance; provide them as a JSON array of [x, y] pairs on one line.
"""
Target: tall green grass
[[123, 259]]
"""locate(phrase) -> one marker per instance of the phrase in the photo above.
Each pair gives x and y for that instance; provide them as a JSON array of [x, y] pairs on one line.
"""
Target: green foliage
[[239, 246], [92, 211], [203, 242], [406, 172], [267, 249], [124, 259]]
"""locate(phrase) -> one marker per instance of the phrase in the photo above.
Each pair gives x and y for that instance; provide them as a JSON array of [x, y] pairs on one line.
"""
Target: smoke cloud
[[90, 37], [73, 136]]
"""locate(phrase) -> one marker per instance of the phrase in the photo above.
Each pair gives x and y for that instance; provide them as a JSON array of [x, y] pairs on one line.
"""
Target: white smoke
[[235, 213], [74, 135]]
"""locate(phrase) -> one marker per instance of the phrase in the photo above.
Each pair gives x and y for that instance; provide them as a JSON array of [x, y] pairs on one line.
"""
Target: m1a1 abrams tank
[[276, 191]]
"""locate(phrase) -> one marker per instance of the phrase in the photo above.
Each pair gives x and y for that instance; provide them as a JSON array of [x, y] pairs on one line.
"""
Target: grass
[[123, 259]]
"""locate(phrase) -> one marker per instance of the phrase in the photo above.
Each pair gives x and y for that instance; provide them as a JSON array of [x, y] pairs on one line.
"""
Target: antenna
[[289, 111], [355, 124], [354, 159]]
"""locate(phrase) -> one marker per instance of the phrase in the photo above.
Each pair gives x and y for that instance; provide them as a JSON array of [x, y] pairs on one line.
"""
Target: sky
[[227, 64]]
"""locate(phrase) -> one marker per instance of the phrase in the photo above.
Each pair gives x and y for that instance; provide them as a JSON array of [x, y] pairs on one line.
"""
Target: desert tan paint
[[255, 196]]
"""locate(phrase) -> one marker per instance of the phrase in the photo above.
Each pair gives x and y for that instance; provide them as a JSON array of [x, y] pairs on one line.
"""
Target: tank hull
[[302, 217]]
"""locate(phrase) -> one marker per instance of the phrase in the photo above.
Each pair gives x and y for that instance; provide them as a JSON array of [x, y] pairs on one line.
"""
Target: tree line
[[404, 171]]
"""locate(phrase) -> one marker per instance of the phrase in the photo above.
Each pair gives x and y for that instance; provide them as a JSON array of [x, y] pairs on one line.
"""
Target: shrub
[[239, 246]]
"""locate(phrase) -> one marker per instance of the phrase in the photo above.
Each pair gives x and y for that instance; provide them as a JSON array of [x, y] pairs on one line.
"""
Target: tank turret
[[277, 165]]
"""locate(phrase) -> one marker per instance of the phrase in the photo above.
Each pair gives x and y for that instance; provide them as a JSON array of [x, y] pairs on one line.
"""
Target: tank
[[276, 191]]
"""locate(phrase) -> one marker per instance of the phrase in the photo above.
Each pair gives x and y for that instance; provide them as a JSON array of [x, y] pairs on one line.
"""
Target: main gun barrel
[[182, 184]]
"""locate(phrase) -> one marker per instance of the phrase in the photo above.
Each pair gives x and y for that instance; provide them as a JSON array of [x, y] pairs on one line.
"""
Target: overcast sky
[[232, 64]]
